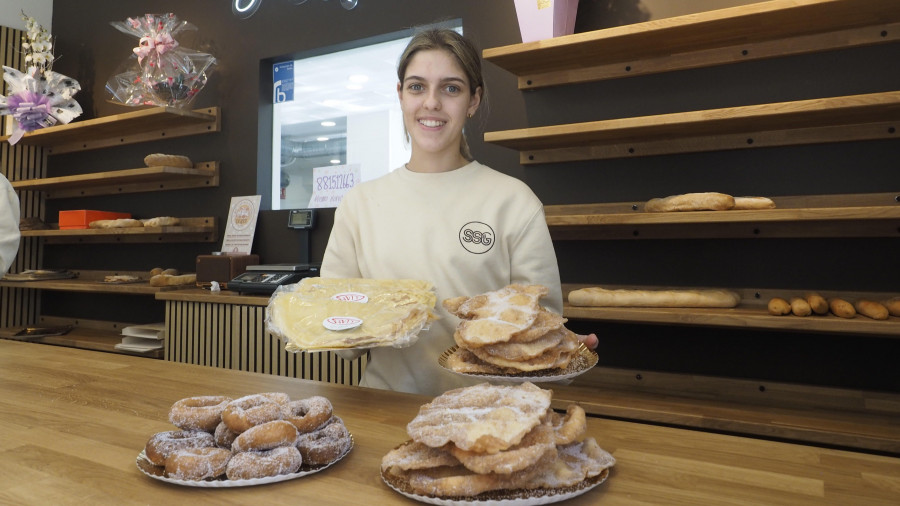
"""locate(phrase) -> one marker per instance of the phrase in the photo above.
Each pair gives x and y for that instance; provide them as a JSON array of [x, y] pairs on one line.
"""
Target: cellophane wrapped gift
[[160, 71]]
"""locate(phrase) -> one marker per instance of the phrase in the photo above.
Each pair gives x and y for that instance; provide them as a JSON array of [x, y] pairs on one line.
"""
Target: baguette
[[601, 297], [173, 280], [893, 306], [872, 309], [841, 308], [778, 306], [119, 223], [753, 203], [817, 303], [800, 307], [708, 201]]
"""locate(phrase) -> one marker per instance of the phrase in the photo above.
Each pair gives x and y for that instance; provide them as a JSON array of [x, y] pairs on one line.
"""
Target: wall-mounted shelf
[[822, 120], [88, 281], [86, 334], [144, 179], [201, 229], [737, 34], [751, 313], [143, 125], [849, 215]]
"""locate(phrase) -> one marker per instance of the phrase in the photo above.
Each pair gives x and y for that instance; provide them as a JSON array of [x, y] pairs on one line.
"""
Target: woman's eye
[[415, 87], [452, 88]]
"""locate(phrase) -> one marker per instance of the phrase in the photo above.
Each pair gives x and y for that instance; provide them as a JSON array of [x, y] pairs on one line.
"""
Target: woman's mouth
[[432, 123]]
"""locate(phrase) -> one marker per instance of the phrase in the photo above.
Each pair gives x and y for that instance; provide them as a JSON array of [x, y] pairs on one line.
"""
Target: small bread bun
[[164, 160]]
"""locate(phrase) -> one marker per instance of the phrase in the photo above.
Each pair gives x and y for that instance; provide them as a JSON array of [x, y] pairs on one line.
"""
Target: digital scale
[[265, 279]]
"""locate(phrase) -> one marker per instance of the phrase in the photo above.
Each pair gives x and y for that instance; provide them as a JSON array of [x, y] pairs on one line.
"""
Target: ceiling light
[[335, 162], [328, 123], [321, 139]]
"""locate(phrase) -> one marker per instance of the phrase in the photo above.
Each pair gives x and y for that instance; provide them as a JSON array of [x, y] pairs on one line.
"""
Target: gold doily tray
[[158, 473], [583, 361]]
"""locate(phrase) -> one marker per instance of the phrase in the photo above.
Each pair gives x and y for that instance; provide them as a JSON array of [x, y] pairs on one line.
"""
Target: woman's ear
[[475, 101]]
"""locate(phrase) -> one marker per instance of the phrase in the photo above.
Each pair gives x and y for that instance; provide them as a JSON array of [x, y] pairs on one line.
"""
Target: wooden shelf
[[127, 128], [743, 33], [751, 313], [88, 281], [834, 119], [144, 179], [202, 229], [849, 215], [87, 335]]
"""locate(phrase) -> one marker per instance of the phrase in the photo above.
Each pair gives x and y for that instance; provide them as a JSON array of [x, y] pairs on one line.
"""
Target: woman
[[442, 217], [9, 224]]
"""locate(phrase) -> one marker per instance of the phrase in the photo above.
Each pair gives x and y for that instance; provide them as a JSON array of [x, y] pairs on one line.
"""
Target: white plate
[[583, 362], [542, 496], [158, 473]]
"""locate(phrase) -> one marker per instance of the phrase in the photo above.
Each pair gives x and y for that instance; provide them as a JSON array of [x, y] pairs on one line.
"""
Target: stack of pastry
[[507, 331], [504, 441]]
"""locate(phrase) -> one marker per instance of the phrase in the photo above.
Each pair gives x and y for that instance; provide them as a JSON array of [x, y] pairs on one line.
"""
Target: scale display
[[266, 281]]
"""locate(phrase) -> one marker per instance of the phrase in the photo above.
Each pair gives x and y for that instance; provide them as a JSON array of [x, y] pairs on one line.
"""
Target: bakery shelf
[[201, 229], [144, 179], [751, 313], [127, 128], [736, 34], [847, 215], [822, 120], [86, 334], [90, 281]]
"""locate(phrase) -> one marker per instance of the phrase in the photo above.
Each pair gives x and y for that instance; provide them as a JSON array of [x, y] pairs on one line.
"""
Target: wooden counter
[[73, 422]]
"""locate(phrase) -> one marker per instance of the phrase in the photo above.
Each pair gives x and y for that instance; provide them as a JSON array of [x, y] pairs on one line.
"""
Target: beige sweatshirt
[[467, 231]]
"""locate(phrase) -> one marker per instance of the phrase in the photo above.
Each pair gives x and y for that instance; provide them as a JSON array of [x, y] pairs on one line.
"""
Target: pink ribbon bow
[[161, 43]]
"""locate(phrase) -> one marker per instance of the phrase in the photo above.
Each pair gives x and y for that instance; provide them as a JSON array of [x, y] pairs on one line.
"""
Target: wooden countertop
[[221, 297], [73, 422]]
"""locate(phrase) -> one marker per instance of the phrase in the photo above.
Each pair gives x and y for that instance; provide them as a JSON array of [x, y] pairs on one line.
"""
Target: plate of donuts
[[159, 473], [465, 363]]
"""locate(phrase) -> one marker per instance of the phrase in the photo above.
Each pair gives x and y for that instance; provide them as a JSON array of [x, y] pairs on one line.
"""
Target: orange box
[[73, 220]]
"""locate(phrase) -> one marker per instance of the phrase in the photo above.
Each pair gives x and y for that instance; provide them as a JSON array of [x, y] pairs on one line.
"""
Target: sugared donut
[[163, 444], [198, 413], [266, 436], [248, 411], [275, 462], [280, 398], [224, 436], [197, 463], [324, 445], [310, 414]]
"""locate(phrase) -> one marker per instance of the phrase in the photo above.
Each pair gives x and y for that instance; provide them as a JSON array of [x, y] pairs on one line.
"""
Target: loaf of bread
[[173, 280], [753, 203], [120, 223], [706, 201], [164, 160], [817, 303], [799, 307], [893, 306], [871, 309], [778, 306], [842, 308], [601, 297], [161, 221]]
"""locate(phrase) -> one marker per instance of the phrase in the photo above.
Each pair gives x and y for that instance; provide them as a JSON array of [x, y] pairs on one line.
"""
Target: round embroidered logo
[[477, 237]]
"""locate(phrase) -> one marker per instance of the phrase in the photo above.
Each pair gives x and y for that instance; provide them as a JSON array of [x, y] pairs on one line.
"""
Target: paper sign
[[283, 81], [331, 183], [241, 224]]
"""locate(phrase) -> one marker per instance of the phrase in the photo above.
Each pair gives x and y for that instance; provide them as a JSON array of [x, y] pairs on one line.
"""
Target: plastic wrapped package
[[160, 71], [319, 314]]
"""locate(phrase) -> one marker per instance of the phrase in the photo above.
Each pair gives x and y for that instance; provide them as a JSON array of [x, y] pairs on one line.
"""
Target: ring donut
[[163, 444], [197, 463], [250, 410], [275, 462], [324, 445], [310, 414], [224, 436], [266, 436], [198, 413]]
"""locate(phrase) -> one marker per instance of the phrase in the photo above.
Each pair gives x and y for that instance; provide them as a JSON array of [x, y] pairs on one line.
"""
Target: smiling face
[[435, 99]]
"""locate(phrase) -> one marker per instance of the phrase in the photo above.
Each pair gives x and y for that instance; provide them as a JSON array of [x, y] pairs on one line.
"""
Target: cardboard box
[[222, 268], [73, 220], [545, 19]]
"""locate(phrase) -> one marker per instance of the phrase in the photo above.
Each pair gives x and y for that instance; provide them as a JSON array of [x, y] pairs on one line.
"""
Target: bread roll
[[601, 297], [799, 307], [164, 160], [708, 201], [778, 306], [753, 203], [817, 303], [120, 223], [893, 306], [842, 308], [161, 221], [170, 280], [872, 309]]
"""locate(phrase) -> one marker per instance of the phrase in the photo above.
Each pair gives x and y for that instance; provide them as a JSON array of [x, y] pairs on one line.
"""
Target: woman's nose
[[432, 101]]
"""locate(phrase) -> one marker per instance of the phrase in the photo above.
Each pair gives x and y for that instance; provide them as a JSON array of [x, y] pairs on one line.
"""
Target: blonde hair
[[465, 53]]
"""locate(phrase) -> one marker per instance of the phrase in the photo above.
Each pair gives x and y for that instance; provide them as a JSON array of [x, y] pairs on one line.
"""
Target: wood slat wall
[[233, 336], [19, 306]]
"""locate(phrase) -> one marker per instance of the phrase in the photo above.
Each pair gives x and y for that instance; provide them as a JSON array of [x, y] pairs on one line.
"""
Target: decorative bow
[[161, 42]]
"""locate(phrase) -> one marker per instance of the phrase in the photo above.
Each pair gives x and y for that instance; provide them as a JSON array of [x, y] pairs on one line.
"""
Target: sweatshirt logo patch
[[476, 237]]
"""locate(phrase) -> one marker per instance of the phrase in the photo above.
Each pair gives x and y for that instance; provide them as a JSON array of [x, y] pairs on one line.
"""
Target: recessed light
[[328, 123], [321, 139]]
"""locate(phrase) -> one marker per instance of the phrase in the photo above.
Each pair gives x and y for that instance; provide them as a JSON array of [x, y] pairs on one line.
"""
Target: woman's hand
[[589, 340]]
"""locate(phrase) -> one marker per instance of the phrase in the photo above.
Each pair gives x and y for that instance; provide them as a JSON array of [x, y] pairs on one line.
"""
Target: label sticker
[[341, 322], [351, 297]]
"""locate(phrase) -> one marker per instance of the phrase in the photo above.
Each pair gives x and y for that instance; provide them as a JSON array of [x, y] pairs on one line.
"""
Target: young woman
[[9, 224], [441, 217]]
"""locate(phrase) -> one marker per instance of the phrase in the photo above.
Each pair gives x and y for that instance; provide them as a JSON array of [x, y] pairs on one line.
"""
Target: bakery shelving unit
[[145, 125], [776, 28]]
